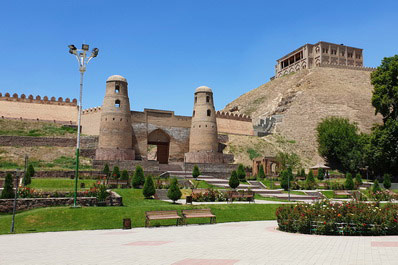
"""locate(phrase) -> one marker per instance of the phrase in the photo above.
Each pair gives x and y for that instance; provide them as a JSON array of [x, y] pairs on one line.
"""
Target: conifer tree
[[149, 188], [321, 174], [116, 172], [376, 186], [174, 192], [138, 178], [349, 183], [387, 181], [8, 189], [241, 172], [234, 180], [106, 170], [261, 173], [195, 172], [30, 172], [358, 179], [125, 175]]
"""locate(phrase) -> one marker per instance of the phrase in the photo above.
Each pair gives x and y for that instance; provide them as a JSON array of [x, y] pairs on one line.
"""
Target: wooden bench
[[117, 182], [198, 213], [249, 195], [161, 215]]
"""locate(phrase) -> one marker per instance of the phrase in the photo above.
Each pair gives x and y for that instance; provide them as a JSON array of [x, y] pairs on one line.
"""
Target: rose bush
[[350, 218]]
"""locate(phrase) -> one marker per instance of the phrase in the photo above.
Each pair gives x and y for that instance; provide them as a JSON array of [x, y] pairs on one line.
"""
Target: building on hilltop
[[315, 55]]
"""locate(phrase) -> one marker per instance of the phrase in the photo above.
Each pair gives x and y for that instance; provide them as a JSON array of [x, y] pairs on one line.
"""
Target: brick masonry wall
[[6, 205], [32, 111]]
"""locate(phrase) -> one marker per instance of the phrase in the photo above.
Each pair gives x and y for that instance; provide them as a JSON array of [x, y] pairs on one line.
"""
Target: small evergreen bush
[[349, 183], [376, 186], [174, 192], [234, 180], [241, 172], [106, 170], [358, 180], [138, 177], [8, 188], [30, 172], [285, 176], [387, 181], [195, 172], [261, 174], [116, 172], [125, 175], [149, 188], [321, 174]]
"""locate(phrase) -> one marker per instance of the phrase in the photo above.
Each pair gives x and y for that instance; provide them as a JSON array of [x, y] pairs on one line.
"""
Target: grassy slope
[[58, 184], [86, 218], [34, 128]]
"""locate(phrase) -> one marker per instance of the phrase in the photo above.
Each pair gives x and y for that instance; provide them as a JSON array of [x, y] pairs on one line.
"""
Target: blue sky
[[166, 49]]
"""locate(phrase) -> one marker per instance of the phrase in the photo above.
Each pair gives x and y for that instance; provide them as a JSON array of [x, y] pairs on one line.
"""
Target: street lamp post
[[83, 60], [288, 182], [14, 208]]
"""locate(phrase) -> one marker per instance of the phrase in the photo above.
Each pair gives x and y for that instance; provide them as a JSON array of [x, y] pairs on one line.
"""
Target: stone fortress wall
[[38, 108]]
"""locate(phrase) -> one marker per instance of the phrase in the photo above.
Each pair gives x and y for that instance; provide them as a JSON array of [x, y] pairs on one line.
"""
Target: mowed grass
[[88, 218], [60, 184]]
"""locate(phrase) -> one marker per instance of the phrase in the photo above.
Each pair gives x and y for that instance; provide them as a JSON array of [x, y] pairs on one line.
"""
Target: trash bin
[[126, 223]]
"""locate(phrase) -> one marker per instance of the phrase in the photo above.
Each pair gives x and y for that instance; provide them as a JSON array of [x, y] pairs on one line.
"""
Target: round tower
[[203, 138], [116, 133]]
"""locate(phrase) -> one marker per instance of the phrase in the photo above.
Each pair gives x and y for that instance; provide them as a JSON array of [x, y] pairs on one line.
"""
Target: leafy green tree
[[385, 93], [358, 179], [349, 183], [381, 150], [149, 188], [106, 170], [125, 175], [8, 188], [174, 192], [387, 181], [321, 174], [241, 172], [340, 144], [115, 172], [30, 172], [376, 186], [234, 180], [288, 160], [138, 177], [195, 172], [260, 173]]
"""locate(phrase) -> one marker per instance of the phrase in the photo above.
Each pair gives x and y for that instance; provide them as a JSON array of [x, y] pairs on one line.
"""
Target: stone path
[[227, 243]]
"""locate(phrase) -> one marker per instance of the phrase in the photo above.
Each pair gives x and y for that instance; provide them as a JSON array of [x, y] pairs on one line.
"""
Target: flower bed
[[209, 195], [353, 218]]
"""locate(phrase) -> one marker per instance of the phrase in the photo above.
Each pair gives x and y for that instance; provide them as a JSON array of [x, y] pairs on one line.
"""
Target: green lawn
[[330, 195], [60, 184], [87, 218]]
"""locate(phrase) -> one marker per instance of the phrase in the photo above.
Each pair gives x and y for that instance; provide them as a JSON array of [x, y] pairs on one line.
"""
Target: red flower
[[324, 223], [395, 221]]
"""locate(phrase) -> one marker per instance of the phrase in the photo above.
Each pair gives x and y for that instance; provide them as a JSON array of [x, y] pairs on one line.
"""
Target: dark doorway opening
[[161, 140]]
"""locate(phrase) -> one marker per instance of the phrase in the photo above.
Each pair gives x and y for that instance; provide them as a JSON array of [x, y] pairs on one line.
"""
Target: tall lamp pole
[[83, 59]]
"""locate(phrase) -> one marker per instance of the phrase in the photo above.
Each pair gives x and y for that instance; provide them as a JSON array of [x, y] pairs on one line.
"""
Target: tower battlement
[[37, 99]]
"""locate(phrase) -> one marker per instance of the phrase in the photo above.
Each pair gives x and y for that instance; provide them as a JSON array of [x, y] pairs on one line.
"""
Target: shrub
[[125, 175], [387, 181], [358, 179], [8, 188], [234, 180], [195, 172], [174, 192], [149, 188], [376, 186], [261, 174], [349, 218], [106, 170], [30, 172], [101, 192], [321, 174], [349, 183], [209, 196], [138, 177], [285, 176], [241, 172], [115, 172]]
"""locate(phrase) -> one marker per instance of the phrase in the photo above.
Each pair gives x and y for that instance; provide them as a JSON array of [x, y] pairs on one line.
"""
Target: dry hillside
[[304, 98]]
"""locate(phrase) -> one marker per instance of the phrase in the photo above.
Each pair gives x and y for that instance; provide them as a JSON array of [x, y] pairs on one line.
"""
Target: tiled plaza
[[225, 243]]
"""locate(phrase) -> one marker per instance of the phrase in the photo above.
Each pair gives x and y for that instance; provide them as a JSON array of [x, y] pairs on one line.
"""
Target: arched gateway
[[162, 141]]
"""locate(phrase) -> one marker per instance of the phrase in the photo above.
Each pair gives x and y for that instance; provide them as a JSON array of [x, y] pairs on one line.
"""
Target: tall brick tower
[[116, 133], [203, 138]]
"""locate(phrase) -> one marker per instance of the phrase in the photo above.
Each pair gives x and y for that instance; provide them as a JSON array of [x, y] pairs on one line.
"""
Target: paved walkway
[[226, 243]]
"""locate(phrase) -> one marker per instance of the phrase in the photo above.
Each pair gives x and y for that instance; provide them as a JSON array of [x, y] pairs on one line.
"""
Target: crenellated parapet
[[233, 116], [37, 99], [91, 110]]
